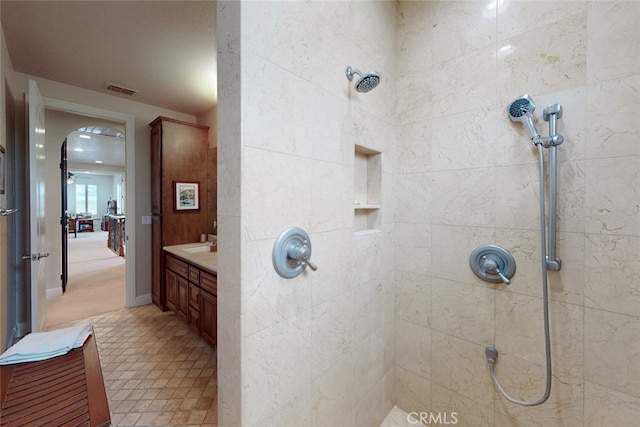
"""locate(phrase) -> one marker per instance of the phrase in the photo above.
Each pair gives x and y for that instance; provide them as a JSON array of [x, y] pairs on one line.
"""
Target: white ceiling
[[96, 149], [164, 49]]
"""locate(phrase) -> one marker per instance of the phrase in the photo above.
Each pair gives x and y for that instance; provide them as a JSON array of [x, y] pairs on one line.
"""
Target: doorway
[[125, 177], [92, 187]]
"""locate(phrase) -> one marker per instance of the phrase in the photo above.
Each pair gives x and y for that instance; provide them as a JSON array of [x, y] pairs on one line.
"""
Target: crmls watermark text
[[430, 418]]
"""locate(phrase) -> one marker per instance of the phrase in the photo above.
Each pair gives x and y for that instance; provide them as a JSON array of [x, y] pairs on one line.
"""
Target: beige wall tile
[[413, 298], [413, 248], [612, 40], [456, 193], [612, 123], [611, 196], [520, 331], [460, 366], [521, 16], [464, 83], [413, 198], [369, 363], [276, 365], [463, 310], [548, 60], [464, 140], [604, 406], [413, 348], [332, 329], [613, 273], [612, 350], [412, 392], [526, 381], [334, 394], [463, 410], [453, 246]]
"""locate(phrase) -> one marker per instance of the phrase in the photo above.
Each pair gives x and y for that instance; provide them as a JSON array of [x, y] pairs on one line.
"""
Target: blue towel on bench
[[46, 345]]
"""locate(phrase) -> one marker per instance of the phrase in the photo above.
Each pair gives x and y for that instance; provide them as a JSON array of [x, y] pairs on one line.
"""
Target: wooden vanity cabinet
[[171, 282], [178, 154], [209, 320], [191, 293]]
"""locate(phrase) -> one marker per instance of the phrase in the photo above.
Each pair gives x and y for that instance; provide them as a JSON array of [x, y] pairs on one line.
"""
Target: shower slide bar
[[551, 114]]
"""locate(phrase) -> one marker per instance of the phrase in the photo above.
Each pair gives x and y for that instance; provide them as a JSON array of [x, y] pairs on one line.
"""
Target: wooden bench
[[64, 391]]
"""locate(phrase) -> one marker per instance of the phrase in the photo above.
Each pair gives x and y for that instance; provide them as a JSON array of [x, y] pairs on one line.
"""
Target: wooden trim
[[160, 119]]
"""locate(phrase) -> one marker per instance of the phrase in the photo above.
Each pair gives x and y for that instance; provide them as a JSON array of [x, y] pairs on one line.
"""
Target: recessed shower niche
[[367, 192]]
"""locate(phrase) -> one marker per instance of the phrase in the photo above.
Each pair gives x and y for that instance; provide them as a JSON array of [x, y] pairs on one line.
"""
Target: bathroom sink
[[197, 249]]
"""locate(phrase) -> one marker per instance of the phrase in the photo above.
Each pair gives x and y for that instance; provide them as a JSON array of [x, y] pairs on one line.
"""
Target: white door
[[37, 206]]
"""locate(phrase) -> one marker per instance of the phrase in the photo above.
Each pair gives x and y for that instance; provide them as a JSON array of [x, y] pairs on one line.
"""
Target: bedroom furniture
[[115, 236], [84, 224], [72, 226]]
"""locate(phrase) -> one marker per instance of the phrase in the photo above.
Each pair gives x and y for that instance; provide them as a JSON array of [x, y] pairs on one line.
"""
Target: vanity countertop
[[196, 253]]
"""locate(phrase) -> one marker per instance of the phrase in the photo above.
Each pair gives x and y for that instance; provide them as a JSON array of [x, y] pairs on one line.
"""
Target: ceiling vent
[[121, 89]]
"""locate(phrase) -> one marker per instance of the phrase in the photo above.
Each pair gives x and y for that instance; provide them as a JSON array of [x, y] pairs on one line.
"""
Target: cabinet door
[[156, 170], [194, 296], [194, 318], [182, 303], [172, 290], [208, 317], [157, 266]]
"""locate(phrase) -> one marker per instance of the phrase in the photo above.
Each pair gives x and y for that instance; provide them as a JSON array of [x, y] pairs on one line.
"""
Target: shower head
[[521, 110], [367, 81]]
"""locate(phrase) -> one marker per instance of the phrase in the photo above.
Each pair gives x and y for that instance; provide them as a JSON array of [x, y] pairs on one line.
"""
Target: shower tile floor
[[157, 372], [398, 418]]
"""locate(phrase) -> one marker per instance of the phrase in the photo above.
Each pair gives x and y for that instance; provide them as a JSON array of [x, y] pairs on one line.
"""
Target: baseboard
[[142, 300], [52, 293]]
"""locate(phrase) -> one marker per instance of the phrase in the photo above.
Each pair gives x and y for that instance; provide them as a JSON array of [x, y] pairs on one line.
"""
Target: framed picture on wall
[[187, 196], [3, 164]]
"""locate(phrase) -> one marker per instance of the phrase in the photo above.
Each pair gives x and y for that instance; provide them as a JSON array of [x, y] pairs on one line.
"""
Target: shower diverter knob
[[493, 264], [292, 252]]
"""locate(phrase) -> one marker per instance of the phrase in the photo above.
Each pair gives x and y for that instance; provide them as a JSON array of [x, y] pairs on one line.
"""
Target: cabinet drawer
[[209, 282], [180, 267], [194, 274], [194, 296]]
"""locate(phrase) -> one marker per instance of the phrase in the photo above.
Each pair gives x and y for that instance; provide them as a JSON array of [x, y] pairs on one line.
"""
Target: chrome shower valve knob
[[493, 263], [490, 266], [292, 253], [302, 253]]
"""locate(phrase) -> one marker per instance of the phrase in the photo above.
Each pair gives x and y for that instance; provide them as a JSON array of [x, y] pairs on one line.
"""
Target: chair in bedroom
[[72, 226]]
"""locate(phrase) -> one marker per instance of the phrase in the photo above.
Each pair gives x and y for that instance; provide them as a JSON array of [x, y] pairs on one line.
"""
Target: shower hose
[[545, 298]]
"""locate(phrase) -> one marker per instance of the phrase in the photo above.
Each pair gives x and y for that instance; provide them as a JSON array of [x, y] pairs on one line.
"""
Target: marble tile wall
[[466, 176], [318, 349]]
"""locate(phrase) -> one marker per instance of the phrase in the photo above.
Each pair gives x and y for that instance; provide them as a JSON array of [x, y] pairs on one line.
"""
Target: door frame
[[129, 123], [64, 222]]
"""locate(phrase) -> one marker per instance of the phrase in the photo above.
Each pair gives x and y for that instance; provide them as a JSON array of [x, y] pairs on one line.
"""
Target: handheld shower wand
[[521, 110]]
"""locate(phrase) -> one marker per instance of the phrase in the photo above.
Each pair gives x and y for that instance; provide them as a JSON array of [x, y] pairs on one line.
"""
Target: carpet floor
[[96, 282]]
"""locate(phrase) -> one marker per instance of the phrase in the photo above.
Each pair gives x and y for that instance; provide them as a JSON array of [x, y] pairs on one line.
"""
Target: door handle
[[34, 257], [7, 212]]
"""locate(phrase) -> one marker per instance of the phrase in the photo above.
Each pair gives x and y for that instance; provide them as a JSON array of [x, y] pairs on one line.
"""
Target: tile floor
[[157, 372]]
